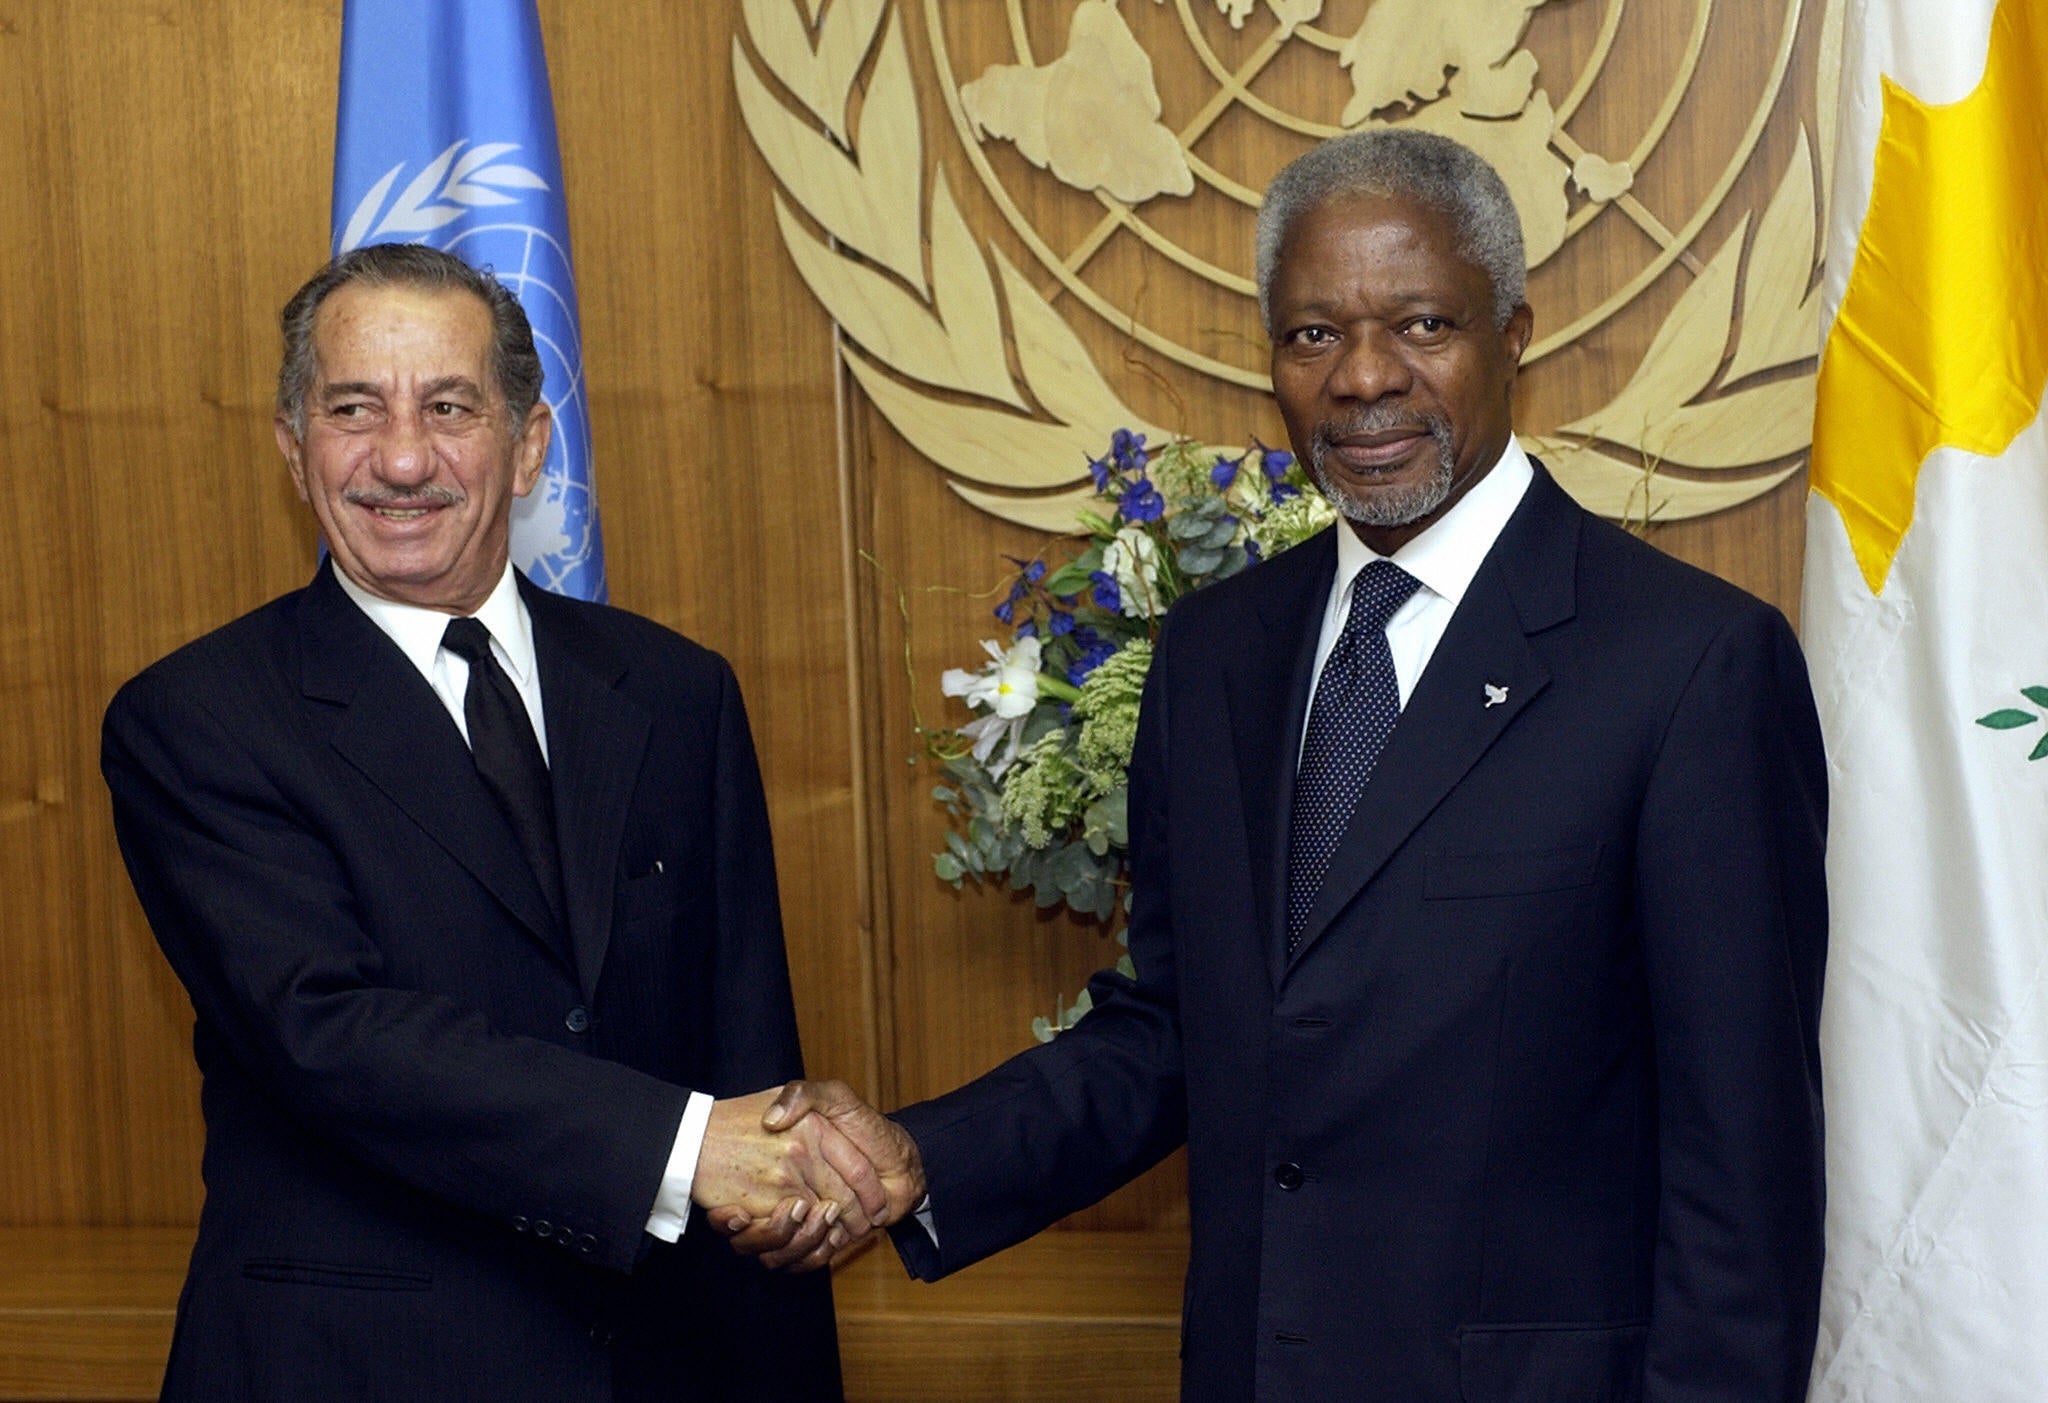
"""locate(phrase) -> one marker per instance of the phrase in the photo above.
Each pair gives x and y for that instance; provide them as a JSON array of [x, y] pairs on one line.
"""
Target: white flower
[[1133, 558], [991, 731], [1007, 687]]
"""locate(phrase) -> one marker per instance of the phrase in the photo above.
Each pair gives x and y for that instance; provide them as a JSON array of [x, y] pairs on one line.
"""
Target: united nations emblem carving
[[1008, 356]]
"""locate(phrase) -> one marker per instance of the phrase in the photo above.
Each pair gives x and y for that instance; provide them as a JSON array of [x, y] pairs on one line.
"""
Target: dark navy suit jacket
[[1534, 1111], [435, 1120]]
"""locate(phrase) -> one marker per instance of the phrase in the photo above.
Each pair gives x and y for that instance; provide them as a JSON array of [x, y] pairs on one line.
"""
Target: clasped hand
[[796, 1174]]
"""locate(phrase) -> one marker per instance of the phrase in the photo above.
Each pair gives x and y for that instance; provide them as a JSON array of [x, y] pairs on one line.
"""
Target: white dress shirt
[[417, 632], [1444, 558]]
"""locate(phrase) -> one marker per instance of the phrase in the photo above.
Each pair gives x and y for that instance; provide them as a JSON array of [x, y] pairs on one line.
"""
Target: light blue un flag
[[446, 136]]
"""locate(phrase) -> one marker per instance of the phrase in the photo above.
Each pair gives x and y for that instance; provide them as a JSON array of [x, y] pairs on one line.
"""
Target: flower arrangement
[[1036, 783]]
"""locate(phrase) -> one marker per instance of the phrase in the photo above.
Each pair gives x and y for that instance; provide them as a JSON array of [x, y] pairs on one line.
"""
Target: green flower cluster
[[1045, 790], [1291, 522], [1075, 773], [1108, 713]]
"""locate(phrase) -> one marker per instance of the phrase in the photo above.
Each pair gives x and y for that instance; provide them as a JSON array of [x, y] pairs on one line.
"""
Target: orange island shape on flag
[[1942, 336]]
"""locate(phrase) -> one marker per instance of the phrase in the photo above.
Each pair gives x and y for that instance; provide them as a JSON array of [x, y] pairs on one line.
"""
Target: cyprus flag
[[1926, 625]]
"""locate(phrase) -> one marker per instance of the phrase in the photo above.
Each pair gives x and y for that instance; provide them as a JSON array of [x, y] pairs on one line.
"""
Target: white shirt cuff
[[672, 1201], [923, 1214]]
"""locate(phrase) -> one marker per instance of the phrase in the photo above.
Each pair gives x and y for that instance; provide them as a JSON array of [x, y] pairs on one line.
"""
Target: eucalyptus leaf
[[948, 868], [1045, 717], [2040, 749], [1114, 812], [1198, 560], [2037, 695]]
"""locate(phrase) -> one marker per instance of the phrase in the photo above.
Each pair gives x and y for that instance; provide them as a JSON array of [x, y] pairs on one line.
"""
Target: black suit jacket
[[435, 1121], [1534, 1111]]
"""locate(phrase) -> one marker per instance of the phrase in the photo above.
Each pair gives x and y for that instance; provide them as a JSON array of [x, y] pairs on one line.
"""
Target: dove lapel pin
[[1494, 695]]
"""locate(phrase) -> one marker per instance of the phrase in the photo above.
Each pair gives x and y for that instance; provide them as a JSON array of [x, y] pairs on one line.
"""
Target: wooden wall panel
[[168, 167], [166, 151]]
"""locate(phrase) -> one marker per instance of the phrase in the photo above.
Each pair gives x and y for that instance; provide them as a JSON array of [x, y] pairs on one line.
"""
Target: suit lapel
[[396, 732], [1266, 683], [597, 735], [1480, 678]]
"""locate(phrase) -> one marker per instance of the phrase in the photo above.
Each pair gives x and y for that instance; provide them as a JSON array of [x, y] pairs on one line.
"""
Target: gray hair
[[515, 364], [1404, 164]]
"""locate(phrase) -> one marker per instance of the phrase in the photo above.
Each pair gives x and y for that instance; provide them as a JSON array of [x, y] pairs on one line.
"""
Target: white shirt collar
[[417, 631], [1449, 551]]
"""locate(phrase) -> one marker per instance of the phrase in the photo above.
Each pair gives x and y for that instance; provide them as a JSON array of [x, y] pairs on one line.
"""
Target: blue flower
[[1251, 550], [1108, 598], [1275, 463], [1034, 572], [1283, 493], [1027, 629], [1128, 449], [1142, 501], [1061, 622], [1100, 652], [1099, 470], [1225, 471], [1007, 610]]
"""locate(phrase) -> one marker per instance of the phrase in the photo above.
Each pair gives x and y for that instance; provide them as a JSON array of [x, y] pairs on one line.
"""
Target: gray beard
[[1390, 505]]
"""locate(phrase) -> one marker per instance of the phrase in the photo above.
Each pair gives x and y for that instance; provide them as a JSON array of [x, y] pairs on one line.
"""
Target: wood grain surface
[[167, 168]]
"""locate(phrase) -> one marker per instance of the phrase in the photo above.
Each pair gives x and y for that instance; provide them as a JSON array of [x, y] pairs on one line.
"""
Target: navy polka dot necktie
[[507, 754], [1356, 704]]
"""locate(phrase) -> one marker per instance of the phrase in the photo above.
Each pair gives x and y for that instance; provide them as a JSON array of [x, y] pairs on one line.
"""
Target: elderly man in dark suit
[[472, 891], [1479, 914]]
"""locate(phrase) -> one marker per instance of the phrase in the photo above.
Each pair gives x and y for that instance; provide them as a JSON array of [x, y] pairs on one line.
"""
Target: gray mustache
[[1378, 419], [428, 496]]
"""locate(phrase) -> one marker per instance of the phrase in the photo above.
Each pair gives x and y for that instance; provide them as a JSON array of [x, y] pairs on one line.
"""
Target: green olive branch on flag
[[2011, 718]]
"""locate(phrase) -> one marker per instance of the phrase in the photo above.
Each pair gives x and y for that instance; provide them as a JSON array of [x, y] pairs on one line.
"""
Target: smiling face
[[410, 458], [1389, 370]]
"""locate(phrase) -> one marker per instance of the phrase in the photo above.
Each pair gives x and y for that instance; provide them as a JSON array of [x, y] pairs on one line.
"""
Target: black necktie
[[1356, 704], [507, 755]]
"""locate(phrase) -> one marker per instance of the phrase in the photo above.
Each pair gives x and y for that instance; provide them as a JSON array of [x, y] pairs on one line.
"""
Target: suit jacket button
[[544, 1228], [586, 1244], [519, 1223], [578, 1020], [1288, 1177]]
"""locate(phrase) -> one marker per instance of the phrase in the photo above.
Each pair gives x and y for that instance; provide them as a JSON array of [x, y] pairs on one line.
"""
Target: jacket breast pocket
[[651, 894], [1517, 872], [1552, 1363]]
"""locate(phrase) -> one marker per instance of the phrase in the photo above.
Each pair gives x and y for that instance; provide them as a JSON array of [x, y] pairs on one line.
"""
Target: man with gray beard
[[1478, 912]]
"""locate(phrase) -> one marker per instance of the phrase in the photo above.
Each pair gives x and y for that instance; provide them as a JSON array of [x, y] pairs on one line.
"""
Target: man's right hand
[[867, 1149], [818, 1190]]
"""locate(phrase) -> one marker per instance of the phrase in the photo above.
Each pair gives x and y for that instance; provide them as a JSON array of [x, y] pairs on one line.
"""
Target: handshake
[[795, 1174]]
